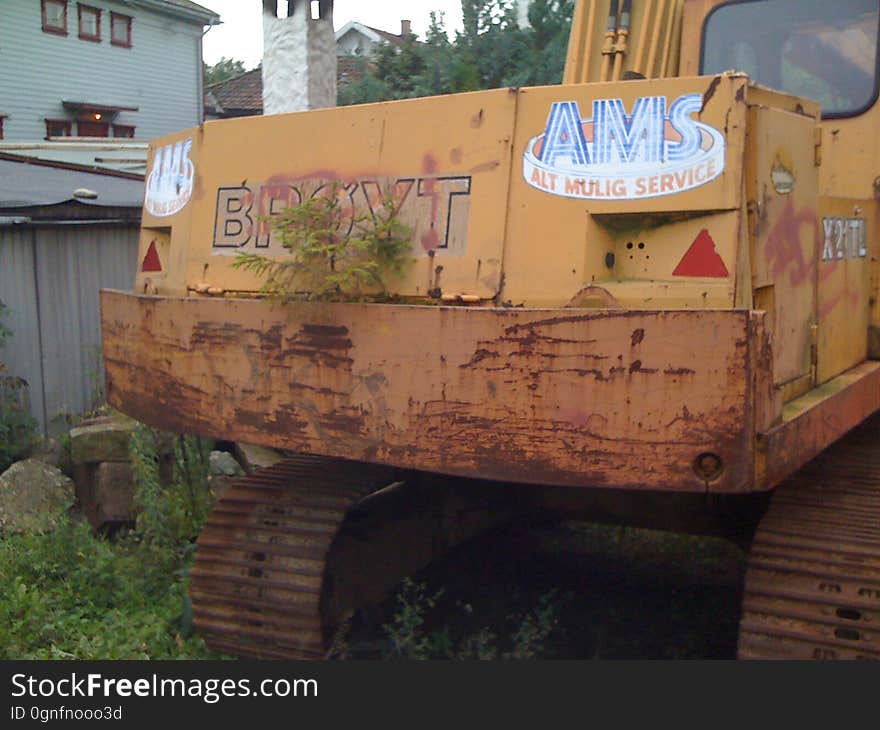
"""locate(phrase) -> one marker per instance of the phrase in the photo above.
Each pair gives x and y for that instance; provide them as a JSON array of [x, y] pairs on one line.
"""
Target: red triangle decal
[[702, 259], [151, 260]]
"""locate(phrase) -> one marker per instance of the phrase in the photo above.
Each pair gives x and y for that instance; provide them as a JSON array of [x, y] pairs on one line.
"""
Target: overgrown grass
[[68, 594], [71, 594]]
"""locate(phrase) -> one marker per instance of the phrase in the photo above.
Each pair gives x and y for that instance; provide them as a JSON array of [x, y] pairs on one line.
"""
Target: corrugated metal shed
[[56, 253], [50, 277]]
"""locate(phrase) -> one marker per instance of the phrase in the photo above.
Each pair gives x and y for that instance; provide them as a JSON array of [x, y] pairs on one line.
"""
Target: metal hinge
[[817, 146]]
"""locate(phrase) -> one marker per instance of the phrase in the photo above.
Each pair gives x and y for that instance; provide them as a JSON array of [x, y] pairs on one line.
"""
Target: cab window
[[817, 49]]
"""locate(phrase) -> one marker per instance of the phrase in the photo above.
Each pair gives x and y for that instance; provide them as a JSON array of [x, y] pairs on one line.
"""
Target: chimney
[[522, 13], [405, 28], [299, 57]]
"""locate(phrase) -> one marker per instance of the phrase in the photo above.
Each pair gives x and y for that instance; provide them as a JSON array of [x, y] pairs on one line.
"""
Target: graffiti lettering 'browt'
[[436, 209], [656, 150]]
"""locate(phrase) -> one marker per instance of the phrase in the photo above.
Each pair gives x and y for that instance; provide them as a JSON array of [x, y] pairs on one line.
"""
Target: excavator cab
[[645, 292]]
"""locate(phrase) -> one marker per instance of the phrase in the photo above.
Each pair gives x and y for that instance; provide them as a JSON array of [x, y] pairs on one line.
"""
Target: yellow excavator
[[647, 295]]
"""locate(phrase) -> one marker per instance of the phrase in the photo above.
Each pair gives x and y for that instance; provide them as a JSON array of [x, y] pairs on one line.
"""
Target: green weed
[[335, 254], [528, 637]]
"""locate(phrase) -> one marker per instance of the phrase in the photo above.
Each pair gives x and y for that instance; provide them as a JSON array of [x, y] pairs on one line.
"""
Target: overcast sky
[[241, 35]]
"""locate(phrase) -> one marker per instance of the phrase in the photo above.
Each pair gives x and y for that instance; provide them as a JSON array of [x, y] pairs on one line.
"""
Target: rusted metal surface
[[813, 581], [784, 246], [576, 397], [818, 419]]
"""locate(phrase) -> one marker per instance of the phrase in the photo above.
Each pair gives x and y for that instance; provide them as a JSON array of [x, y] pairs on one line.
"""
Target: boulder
[[34, 496], [222, 463], [104, 439], [253, 457]]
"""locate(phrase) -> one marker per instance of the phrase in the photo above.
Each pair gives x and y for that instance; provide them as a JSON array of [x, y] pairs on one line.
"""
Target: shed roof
[[93, 154], [25, 182]]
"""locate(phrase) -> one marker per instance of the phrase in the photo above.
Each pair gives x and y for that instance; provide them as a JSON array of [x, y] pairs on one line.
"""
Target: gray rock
[[222, 463], [33, 497]]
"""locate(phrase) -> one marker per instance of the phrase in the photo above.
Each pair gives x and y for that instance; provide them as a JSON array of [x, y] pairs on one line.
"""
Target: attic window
[[120, 30], [89, 23], [54, 16]]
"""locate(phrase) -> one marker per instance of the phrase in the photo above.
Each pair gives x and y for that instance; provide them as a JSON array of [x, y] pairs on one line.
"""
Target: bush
[[169, 515], [17, 429], [17, 433], [69, 594]]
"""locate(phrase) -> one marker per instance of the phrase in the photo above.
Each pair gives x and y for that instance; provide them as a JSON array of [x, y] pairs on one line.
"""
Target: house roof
[[180, 8], [27, 183], [385, 35], [374, 34], [240, 94]]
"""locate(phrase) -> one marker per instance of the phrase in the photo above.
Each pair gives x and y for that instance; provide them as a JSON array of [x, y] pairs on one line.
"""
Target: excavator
[[647, 295]]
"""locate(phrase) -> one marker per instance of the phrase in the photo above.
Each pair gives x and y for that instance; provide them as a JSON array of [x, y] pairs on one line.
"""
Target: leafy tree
[[225, 68], [491, 51], [551, 23]]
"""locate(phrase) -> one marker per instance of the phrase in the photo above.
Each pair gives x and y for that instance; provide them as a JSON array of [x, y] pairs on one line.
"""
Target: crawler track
[[290, 553], [260, 577], [812, 588]]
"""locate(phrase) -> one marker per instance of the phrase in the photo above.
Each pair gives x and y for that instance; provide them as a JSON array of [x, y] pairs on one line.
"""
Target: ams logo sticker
[[170, 182], [656, 150]]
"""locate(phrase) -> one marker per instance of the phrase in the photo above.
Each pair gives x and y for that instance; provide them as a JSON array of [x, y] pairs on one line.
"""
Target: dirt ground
[[616, 593]]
